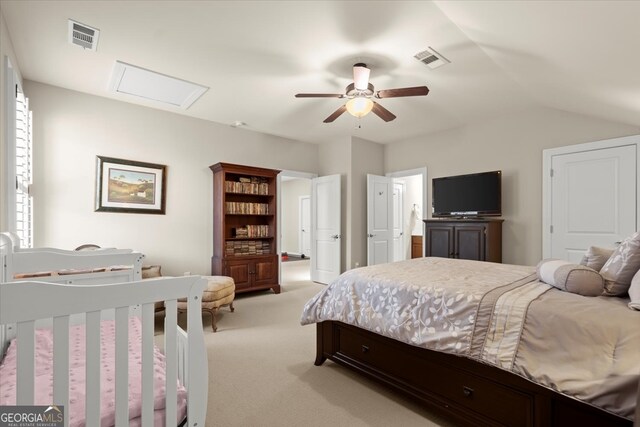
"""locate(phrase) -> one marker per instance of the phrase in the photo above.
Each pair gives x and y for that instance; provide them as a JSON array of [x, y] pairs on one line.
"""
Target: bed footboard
[[468, 392]]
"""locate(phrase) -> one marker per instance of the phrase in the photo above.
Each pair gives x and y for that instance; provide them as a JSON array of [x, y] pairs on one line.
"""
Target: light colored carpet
[[261, 370]]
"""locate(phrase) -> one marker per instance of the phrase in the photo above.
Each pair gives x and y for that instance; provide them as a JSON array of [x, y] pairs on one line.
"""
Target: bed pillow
[[634, 292], [574, 278], [596, 257], [621, 266]]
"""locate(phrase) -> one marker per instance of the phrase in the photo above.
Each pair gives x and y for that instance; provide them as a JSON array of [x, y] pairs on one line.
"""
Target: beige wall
[[290, 193], [6, 50], [353, 158], [366, 158], [334, 158], [71, 129], [514, 144]]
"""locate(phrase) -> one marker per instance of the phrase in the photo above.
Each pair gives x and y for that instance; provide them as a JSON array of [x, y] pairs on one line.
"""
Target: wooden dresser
[[475, 239], [244, 226]]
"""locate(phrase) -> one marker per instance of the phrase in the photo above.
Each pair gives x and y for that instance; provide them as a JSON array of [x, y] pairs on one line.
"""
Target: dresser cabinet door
[[264, 271], [439, 241], [240, 270], [470, 242]]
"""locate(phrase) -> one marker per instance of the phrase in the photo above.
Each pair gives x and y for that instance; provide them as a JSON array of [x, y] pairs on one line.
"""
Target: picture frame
[[130, 186]]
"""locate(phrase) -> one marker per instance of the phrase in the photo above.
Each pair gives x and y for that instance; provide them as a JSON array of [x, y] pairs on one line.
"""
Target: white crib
[[57, 301]]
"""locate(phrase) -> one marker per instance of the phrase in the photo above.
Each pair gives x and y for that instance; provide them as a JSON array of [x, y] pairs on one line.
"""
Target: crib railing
[[23, 303]]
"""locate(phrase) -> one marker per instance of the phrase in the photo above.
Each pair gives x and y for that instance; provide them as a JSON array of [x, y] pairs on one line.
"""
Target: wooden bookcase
[[244, 226]]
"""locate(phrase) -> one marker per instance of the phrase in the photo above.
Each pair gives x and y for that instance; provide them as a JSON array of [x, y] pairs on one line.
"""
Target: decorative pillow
[[621, 266], [634, 292], [574, 278], [150, 271], [596, 257]]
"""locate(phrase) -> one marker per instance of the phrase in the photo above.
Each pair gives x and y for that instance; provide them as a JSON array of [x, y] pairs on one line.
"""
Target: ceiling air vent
[[431, 58], [83, 35]]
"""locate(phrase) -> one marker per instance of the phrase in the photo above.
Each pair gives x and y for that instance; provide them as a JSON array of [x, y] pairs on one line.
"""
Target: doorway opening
[[294, 227], [394, 224]]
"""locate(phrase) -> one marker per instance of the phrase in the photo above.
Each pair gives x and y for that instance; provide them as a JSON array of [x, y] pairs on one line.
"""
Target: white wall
[[514, 144], [71, 129], [6, 49], [290, 193]]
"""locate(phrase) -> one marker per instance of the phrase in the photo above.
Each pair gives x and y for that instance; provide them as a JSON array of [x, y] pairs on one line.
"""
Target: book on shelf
[[247, 208], [247, 247], [247, 187]]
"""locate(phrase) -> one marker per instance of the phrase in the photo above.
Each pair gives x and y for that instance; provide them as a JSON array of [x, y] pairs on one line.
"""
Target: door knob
[[370, 235], [335, 236]]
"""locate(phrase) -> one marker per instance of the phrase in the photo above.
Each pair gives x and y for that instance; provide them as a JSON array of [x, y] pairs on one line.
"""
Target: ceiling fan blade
[[361, 76], [319, 95], [382, 112], [405, 91], [335, 114]]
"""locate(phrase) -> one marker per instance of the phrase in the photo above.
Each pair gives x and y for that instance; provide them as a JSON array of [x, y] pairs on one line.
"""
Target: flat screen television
[[471, 195]]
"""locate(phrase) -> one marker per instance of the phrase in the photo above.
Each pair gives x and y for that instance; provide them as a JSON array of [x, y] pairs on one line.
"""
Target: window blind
[[24, 152]]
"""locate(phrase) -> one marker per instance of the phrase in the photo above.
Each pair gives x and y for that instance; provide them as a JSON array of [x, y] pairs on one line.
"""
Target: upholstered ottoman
[[220, 292]]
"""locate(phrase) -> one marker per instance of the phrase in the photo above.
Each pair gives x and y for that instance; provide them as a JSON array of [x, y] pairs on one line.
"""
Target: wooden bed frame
[[465, 391]]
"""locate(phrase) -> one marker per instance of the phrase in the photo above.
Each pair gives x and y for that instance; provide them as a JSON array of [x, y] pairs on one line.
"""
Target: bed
[[483, 343], [88, 322]]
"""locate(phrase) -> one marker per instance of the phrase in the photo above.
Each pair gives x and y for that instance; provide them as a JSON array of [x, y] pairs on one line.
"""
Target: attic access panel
[[139, 82]]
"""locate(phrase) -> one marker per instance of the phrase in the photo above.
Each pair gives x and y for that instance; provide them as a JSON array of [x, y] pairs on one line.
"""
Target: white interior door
[[379, 219], [593, 200], [326, 228], [305, 226], [399, 249]]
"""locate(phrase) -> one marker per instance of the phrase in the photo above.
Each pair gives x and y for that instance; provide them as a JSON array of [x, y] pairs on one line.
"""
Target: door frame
[[425, 190], [291, 174], [547, 156], [403, 237], [300, 236]]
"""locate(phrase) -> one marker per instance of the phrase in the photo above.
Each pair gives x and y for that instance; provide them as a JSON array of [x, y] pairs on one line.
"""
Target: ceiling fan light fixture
[[359, 107]]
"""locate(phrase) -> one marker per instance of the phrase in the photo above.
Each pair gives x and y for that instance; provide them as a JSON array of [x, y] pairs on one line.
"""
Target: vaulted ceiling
[[578, 56]]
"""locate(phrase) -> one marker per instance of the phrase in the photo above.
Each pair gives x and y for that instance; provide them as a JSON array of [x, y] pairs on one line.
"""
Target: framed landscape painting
[[130, 186]]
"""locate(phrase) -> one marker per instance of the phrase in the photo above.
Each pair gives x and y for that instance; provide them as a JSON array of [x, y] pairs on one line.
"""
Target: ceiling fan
[[360, 94]]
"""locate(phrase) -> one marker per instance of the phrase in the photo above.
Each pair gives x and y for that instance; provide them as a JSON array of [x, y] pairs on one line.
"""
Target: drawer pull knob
[[365, 349], [467, 391]]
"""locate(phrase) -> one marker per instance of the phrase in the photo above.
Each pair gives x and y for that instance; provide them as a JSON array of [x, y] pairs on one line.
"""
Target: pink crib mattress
[[77, 371]]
